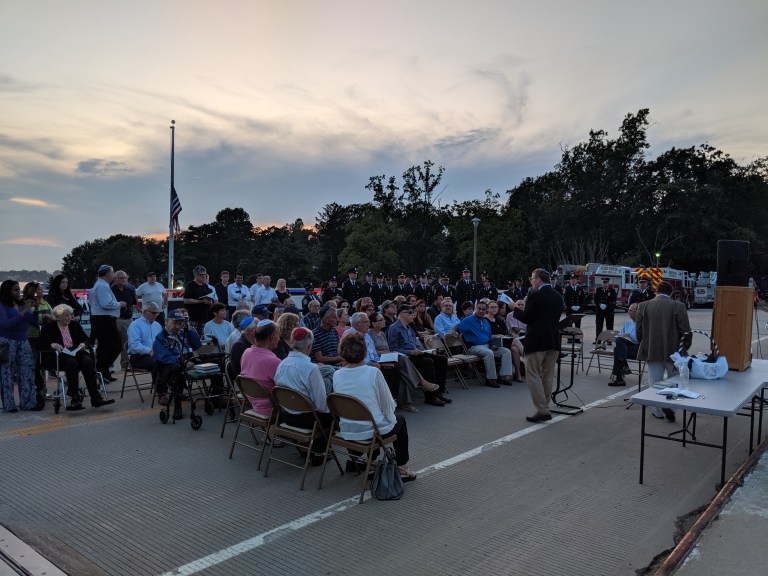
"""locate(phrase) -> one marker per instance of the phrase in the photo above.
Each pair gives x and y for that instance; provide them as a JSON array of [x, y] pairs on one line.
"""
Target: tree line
[[605, 201]]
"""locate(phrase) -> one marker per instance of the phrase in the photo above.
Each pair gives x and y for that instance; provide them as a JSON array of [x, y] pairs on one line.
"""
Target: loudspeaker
[[732, 263]]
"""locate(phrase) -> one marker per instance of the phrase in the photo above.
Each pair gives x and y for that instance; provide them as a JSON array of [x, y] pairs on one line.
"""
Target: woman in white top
[[367, 384]]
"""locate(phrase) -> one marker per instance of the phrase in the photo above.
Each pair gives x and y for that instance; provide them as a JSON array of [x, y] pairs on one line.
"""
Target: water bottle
[[685, 376]]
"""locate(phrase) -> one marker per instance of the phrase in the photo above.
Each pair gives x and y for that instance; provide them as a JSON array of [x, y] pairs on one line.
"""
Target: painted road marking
[[286, 529]]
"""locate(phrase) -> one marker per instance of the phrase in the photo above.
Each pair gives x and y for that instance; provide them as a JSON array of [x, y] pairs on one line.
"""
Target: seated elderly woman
[[367, 385], [67, 337]]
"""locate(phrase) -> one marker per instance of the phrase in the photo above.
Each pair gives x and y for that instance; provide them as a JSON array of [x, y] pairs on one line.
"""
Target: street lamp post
[[475, 222]]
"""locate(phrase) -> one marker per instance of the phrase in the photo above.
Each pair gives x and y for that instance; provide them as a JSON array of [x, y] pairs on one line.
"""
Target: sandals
[[406, 474]]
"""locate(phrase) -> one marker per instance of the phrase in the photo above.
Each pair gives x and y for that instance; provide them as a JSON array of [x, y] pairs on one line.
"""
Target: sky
[[284, 107]]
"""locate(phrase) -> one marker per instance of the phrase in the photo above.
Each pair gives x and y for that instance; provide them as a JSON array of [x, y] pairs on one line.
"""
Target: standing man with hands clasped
[[605, 305], [661, 323], [105, 309], [541, 312]]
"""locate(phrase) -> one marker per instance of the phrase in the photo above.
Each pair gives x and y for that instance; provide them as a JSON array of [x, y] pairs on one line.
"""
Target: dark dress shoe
[[492, 384], [434, 401], [445, 400], [506, 381], [625, 371], [99, 402], [536, 418], [75, 406], [618, 382], [13, 411], [670, 414], [108, 377]]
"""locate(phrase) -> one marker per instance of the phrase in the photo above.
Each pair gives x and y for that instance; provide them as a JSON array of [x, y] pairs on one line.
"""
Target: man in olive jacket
[[661, 323]]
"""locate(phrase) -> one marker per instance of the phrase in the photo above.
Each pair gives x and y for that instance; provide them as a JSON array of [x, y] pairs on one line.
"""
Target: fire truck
[[683, 282], [624, 280], [621, 278], [706, 286]]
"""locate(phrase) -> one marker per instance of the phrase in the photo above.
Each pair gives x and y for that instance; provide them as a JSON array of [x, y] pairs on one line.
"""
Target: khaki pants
[[540, 376]]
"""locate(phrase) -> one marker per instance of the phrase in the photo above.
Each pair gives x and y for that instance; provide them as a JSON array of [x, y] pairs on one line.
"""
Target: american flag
[[175, 209]]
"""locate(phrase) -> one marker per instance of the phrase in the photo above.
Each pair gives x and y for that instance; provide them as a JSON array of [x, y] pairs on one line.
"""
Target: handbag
[[712, 366], [5, 352], [387, 483]]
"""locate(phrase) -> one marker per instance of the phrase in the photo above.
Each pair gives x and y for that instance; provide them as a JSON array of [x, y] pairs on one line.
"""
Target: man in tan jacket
[[661, 323]]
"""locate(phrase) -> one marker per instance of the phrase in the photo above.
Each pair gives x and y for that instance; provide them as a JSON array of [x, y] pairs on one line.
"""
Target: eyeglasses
[[152, 312]]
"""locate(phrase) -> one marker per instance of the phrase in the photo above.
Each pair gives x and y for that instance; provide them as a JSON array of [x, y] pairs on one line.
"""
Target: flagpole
[[170, 213]]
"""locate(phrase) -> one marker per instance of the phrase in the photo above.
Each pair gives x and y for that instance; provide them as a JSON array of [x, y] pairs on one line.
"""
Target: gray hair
[[357, 318], [58, 311], [305, 344], [238, 317], [150, 306], [121, 274]]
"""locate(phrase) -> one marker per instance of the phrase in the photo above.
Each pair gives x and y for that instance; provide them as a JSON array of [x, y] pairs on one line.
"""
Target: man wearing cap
[[331, 291], [445, 287], [367, 286], [574, 299], [298, 372], [197, 299], [423, 290], [465, 290], [141, 338], [236, 292], [642, 293], [403, 339], [105, 310], [310, 296], [173, 347], [379, 291], [351, 290], [487, 290], [605, 305], [476, 330], [153, 291], [402, 288]]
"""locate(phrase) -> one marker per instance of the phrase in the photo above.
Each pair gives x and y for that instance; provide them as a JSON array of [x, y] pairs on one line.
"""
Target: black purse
[[387, 483]]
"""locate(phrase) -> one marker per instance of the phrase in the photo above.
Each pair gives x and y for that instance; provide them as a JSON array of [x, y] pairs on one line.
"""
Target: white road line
[[290, 527]]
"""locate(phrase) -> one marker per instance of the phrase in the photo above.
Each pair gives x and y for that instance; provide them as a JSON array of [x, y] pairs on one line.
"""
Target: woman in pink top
[[260, 363]]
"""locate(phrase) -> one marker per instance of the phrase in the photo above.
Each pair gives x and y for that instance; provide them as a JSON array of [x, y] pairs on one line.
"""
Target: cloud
[[34, 202], [42, 146], [10, 84], [33, 241], [101, 167]]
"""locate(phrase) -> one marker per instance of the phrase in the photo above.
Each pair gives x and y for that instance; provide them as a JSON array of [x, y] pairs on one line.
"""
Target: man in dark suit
[[642, 293], [465, 289], [331, 291], [351, 290], [487, 290], [423, 290], [605, 305], [367, 286], [574, 299], [541, 312], [447, 289], [379, 291], [401, 288], [661, 323]]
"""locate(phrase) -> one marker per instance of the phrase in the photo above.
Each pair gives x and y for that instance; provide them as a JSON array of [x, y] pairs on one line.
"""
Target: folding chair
[[133, 373], [455, 341], [251, 419], [601, 350], [454, 363], [301, 438], [350, 408], [235, 397]]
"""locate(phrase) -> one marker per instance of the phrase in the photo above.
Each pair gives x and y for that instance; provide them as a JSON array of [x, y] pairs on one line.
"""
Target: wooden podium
[[732, 324]]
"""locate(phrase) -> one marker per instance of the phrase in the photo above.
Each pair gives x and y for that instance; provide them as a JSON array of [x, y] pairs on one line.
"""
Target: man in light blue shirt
[[625, 346], [105, 309], [446, 321], [265, 295], [141, 337], [476, 330]]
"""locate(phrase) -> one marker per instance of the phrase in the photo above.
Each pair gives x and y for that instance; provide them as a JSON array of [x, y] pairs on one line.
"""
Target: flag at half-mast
[[175, 209]]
